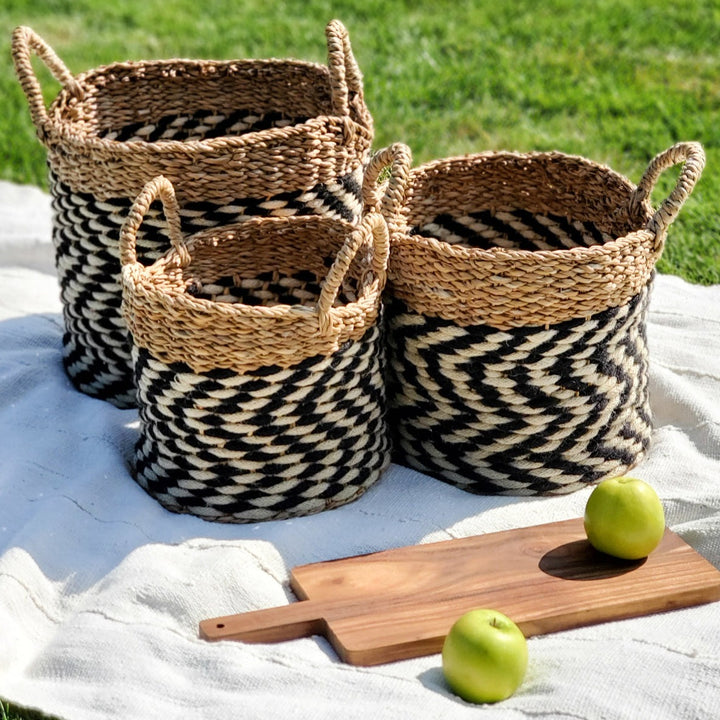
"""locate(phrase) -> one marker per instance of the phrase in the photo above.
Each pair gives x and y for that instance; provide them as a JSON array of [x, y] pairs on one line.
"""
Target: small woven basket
[[237, 139], [519, 287], [259, 363]]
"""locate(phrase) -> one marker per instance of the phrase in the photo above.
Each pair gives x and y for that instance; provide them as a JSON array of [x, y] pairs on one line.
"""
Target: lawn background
[[614, 80]]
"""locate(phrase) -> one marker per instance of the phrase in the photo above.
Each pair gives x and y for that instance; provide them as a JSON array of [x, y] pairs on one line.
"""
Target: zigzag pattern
[[201, 125], [516, 229], [269, 289], [86, 232], [270, 444], [532, 410]]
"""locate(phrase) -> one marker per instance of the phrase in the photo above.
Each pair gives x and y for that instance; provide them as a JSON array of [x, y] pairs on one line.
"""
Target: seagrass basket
[[237, 138], [518, 289], [259, 363]]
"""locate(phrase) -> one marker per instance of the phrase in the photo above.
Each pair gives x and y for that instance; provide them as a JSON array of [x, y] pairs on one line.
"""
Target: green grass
[[613, 80], [9, 711]]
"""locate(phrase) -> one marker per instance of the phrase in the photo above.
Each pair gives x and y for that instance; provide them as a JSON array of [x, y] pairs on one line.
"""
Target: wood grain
[[400, 603]]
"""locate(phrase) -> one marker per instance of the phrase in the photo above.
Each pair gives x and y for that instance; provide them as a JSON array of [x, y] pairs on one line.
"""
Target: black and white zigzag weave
[[514, 228], [531, 410], [86, 233], [201, 125], [270, 444]]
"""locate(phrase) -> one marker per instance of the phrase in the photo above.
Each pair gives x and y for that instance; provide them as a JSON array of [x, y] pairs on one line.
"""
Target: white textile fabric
[[101, 589]]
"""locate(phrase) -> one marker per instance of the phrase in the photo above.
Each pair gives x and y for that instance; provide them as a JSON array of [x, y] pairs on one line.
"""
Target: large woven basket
[[259, 363], [519, 287], [237, 139]]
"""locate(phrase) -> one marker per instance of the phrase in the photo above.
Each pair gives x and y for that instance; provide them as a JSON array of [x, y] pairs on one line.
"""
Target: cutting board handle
[[286, 622]]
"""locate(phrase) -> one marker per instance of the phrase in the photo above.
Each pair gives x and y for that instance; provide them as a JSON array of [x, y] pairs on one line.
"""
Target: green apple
[[484, 656], [624, 518]]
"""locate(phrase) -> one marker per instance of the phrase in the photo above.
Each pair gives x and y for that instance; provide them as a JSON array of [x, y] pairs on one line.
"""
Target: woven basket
[[259, 363], [237, 138], [519, 287]]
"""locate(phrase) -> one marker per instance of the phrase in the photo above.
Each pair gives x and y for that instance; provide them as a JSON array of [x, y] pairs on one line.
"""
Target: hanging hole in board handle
[[373, 225], [24, 41], [159, 187], [692, 155]]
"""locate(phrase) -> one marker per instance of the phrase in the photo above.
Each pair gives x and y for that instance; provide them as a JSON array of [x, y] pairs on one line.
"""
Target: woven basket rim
[[73, 132], [439, 166], [465, 252], [192, 63], [473, 158], [68, 135], [204, 333], [509, 287], [506, 287], [176, 293]]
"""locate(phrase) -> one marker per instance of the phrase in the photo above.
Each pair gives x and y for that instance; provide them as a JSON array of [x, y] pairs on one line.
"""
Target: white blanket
[[101, 589]]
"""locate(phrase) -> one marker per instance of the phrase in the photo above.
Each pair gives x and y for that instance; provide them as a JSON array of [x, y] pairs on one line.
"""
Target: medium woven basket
[[237, 139], [259, 363], [519, 287]]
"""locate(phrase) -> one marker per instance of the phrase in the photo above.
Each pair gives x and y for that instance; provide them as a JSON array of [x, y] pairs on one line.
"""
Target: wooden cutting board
[[400, 603]]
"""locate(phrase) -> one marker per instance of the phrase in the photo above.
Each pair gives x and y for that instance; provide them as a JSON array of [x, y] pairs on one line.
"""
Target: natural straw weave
[[237, 138], [519, 284], [259, 363]]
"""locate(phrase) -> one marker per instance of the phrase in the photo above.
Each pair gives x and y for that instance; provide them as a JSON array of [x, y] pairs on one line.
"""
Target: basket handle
[[387, 197], [158, 187], [373, 223], [25, 40], [693, 157], [345, 75]]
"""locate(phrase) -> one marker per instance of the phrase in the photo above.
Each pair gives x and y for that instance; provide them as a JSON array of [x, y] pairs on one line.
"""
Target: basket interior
[[196, 100], [200, 124], [513, 229], [521, 203], [269, 264]]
